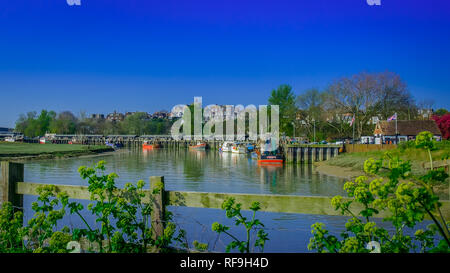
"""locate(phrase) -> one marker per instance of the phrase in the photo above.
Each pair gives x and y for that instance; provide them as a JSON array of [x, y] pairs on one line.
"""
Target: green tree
[[285, 99], [441, 112], [65, 123]]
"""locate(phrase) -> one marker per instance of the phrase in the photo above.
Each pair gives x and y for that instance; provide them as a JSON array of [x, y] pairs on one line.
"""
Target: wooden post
[[328, 157], [158, 206], [313, 155], [321, 150], [11, 174]]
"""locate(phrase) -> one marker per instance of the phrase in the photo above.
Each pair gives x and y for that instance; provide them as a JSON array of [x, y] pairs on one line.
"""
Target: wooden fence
[[12, 189], [361, 148]]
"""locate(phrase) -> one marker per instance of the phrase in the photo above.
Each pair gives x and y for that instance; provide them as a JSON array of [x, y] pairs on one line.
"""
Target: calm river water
[[208, 171]]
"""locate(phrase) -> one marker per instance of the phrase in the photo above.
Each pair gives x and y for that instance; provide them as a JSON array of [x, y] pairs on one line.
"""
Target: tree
[[33, 125], [443, 123], [311, 104], [440, 112], [285, 99], [394, 97], [65, 123], [366, 95], [136, 124]]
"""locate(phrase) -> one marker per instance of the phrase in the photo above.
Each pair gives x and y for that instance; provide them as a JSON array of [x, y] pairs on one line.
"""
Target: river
[[207, 171]]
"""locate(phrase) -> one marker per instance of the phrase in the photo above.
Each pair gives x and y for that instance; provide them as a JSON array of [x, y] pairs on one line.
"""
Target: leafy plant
[[233, 210], [122, 219], [11, 230], [405, 198], [123, 215], [42, 226]]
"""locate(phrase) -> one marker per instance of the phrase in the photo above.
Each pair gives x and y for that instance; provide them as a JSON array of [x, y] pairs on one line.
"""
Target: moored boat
[[150, 146], [226, 146], [270, 159], [238, 149], [201, 146]]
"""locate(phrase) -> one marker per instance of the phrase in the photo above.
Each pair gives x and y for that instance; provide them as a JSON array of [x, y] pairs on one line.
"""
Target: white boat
[[10, 139], [238, 149], [226, 146]]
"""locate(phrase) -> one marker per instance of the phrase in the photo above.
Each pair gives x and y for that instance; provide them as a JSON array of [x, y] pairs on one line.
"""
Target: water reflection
[[208, 171]]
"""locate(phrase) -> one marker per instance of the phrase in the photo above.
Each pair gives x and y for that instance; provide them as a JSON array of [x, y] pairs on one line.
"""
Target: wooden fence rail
[[12, 189]]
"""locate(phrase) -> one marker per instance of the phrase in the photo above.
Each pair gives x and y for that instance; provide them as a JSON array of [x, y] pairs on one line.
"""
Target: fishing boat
[[226, 146], [150, 146], [238, 149], [200, 146], [270, 154], [270, 159]]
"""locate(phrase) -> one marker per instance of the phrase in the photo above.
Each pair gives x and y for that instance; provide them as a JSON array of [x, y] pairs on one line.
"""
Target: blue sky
[[150, 55]]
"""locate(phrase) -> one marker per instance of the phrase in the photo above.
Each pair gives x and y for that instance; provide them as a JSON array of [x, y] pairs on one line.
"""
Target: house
[[161, 115], [97, 116], [115, 116], [404, 130]]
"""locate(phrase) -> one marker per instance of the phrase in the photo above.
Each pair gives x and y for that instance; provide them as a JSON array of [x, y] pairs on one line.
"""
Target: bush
[[404, 197]]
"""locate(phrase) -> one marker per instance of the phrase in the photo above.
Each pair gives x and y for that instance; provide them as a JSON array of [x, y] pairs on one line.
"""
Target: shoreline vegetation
[[27, 151], [351, 165]]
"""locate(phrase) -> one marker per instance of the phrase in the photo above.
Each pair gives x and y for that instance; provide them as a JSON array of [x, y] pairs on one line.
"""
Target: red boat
[[198, 147], [270, 160], [149, 146]]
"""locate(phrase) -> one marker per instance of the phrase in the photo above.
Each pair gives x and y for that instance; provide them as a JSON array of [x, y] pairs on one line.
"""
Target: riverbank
[[354, 162], [27, 151], [351, 165]]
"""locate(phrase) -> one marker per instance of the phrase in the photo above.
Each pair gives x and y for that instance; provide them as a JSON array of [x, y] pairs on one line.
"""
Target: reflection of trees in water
[[194, 164], [286, 179], [192, 170]]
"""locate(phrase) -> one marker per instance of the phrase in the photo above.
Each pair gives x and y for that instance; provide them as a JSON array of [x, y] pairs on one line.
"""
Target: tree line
[[324, 113], [330, 110], [33, 124]]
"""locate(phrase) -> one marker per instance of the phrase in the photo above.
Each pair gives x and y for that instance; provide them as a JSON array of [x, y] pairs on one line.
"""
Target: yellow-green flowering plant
[[123, 215], [233, 210], [404, 199], [122, 219], [11, 230]]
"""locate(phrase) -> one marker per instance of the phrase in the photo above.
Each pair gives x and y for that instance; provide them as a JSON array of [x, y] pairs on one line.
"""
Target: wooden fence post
[[11, 174], [158, 206]]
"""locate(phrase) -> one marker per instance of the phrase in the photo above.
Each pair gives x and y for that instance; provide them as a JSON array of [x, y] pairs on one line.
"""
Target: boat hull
[[270, 160], [199, 147], [150, 146], [238, 150]]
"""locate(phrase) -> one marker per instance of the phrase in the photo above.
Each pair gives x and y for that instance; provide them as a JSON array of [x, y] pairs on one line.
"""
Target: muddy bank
[[337, 171], [56, 155]]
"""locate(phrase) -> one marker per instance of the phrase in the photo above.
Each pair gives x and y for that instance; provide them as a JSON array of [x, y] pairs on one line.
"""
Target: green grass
[[355, 161], [8, 149]]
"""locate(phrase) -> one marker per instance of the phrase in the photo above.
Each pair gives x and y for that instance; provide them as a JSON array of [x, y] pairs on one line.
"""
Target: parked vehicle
[[10, 139]]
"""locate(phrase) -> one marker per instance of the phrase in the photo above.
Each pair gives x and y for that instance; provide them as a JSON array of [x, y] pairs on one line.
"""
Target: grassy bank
[[27, 150], [355, 161]]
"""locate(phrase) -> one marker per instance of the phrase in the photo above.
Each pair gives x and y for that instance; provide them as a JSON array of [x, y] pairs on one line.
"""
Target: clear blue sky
[[150, 55]]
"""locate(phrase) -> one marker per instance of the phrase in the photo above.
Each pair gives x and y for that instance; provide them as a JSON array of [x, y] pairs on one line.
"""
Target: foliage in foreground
[[122, 220], [404, 197], [233, 210]]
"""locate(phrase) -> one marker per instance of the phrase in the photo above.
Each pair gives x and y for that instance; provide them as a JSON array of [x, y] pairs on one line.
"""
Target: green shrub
[[405, 197]]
